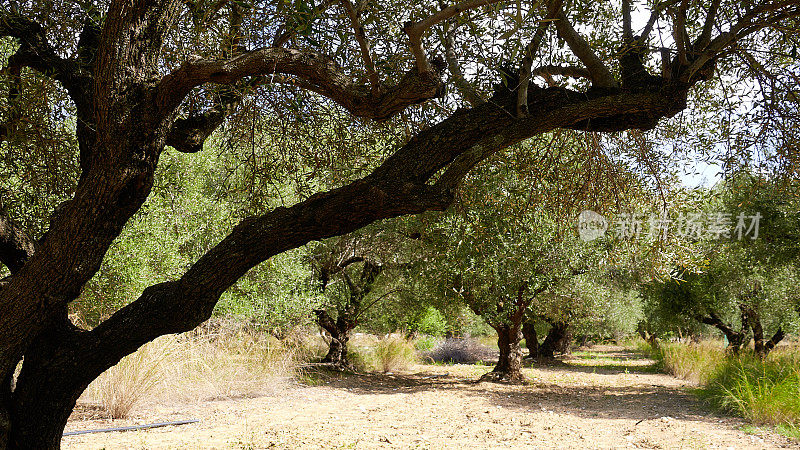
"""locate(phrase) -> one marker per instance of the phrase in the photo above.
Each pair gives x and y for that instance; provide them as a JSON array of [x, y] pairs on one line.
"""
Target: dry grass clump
[[395, 354], [123, 386], [368, 353], [458, 351], [695, 362], [762, 391], [227, 362]]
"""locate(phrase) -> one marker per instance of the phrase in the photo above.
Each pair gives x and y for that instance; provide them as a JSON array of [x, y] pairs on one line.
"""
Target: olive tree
[[137, 77], [743, 283]]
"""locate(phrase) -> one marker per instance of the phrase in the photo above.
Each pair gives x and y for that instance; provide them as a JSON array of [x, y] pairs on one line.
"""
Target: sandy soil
[[602, 398]]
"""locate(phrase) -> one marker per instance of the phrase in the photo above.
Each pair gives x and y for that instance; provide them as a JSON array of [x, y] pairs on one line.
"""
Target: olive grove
[[96, 91]]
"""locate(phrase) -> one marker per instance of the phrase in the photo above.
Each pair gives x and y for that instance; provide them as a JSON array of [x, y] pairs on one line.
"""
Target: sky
[[699, 173]]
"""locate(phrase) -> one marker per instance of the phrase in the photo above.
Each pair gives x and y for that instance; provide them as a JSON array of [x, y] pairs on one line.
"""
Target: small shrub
[[362, 358], [429, 321], [458, 351], [424, 343]]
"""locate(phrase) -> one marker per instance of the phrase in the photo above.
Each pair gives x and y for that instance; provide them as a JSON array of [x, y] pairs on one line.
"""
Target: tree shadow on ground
[[640, 401]]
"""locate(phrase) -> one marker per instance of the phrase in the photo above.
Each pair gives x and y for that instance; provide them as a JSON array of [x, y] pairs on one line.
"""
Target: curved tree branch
[[415, 30], [36, 52], [600, 74], [318, 72], [397, 187]]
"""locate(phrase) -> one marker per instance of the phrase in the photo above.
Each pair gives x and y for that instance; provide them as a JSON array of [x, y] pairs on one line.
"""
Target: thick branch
[[35, 51], [317, 72], [705, 35], [188, 134], [627, 28], [600, 74], [775, 339], [326, 321], [714, 320], [679, 32]]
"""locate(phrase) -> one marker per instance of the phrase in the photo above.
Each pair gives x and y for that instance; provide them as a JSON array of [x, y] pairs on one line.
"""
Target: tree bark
[[531, 339], [337, 350], [509, 363], [558, 340], [339, 331], [735, 338], [762, 347], [53, 376]]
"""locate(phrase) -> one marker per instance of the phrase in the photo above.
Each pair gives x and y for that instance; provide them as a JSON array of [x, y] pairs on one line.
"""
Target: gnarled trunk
[[340, 334], [558, 340], [736, 339], [509, 364], [337, 350], [761, 346], [50, 382], [531, 339]]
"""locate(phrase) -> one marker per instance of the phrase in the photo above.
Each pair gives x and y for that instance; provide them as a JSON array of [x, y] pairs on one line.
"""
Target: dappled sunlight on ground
[[605, 397]]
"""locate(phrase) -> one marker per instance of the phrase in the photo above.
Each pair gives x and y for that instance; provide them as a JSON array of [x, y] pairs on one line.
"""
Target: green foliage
[[186, 215], [723, 274], [428, 321], [425, 343]]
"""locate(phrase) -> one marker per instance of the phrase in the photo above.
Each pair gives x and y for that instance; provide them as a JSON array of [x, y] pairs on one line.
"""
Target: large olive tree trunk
[[339, 331], [762, 347], [508, 326], [509, 363]]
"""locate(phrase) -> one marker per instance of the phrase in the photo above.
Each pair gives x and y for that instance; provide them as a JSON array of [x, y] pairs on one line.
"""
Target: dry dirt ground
[[602, 398]]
